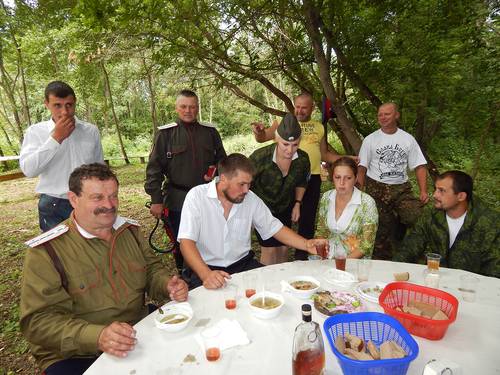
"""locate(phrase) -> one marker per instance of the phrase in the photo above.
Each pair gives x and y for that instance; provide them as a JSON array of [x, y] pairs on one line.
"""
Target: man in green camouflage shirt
[[282, 171], [460, 227]]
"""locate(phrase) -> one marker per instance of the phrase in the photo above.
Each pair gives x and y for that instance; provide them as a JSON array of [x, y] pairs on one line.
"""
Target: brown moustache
[[104, 210]]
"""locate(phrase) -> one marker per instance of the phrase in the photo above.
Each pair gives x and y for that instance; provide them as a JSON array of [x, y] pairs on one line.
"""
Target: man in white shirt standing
[[216, 223], [385, 157], [53, 149]]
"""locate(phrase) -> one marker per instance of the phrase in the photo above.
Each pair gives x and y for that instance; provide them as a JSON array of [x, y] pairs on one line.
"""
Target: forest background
[[438, 59]]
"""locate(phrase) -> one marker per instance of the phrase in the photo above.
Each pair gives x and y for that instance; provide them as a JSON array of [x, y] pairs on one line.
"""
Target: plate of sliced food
[[335, 302], [370, 290]]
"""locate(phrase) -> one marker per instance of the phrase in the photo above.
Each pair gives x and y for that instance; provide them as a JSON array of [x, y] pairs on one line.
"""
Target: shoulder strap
[[134, 233], [57, 264]]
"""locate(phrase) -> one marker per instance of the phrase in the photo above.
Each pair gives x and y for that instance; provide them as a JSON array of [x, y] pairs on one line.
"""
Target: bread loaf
[[340, 344], [402, 276], [354, 342], [372, 349]]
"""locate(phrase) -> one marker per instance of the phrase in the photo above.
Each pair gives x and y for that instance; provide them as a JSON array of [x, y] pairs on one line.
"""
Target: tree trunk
[[343, 122], [154, 117], [115, 118]]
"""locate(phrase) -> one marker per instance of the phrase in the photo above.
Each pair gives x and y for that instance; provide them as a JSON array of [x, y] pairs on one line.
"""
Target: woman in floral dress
[[347, 216]]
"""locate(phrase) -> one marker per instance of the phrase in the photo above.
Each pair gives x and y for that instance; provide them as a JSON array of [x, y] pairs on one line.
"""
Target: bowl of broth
[[266, 305], [301, 286], [173, 317]]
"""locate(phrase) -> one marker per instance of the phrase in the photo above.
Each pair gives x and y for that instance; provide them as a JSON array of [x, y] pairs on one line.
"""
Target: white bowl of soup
[[173, 317], [301, 286], [266, 305]]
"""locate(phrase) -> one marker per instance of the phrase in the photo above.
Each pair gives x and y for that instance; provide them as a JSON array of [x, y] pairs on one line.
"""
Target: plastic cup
[[230, 296], [364, 267], [250, 284], [314, 257], [321, 250], [211, 342], [433, 261], [340, 262], [468, 287], [432, 279]]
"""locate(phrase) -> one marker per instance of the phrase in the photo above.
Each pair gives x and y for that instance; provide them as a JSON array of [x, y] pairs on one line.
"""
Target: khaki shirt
[[107, 282]]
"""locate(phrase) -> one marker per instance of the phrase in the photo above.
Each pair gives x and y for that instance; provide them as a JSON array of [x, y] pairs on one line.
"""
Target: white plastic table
[[472, 341]]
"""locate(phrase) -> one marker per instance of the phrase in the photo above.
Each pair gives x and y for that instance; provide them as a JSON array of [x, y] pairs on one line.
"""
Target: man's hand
[[258, 128], [215, 279], [156, 210], [424, 197], [63, 128], [177, 289], [296, 213], [311, 246], [117, 339]]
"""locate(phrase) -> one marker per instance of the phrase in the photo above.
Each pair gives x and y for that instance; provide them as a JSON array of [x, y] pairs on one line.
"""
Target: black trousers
[[308, 210], [246, 263], [73, 366]]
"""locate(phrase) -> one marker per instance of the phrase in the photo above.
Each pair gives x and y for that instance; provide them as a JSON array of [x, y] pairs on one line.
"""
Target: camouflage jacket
[[278, 191], [180, 158], [476, 248]]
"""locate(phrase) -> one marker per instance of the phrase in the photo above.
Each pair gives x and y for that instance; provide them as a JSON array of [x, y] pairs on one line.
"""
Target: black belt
[[179, 187]]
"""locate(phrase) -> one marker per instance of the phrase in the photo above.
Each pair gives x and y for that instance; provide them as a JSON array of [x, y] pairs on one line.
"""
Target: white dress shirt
[[42, 155], [345, 218], [222, 242]]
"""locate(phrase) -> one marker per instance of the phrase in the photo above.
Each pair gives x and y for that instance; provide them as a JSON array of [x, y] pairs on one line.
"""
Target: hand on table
[[215, 279], [156, 210], [117, 339], [63, 128], [177, 289]]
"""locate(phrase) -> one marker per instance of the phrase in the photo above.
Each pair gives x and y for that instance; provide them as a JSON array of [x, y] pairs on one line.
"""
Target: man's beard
[[233, 200]]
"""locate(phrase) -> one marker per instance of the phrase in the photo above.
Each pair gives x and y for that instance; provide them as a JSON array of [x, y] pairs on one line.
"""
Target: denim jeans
[[52, 210]]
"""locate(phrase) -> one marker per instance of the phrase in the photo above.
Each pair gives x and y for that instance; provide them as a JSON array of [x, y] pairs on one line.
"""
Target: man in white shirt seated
[[460, 227], [53, 149], [216, 223]]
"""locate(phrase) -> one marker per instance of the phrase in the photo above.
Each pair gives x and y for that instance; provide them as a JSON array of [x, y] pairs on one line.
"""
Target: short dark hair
[[462, 182], [304, 94], [188, 94], [346, 162], [59, 89], [235, 162], [87, 171]]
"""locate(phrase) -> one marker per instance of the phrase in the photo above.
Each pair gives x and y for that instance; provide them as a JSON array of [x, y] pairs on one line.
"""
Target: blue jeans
[[52, 210]]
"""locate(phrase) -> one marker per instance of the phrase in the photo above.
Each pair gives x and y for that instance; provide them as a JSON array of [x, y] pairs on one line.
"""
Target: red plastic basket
[[401, 293]]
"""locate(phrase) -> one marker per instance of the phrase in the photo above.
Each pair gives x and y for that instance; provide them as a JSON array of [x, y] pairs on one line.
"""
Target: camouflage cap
[[289, 128]]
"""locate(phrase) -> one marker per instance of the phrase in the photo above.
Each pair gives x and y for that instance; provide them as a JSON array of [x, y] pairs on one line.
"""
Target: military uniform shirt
[[278, 191]]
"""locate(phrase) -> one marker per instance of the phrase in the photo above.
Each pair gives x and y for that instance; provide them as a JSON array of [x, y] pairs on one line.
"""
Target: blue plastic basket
[[378, 328]]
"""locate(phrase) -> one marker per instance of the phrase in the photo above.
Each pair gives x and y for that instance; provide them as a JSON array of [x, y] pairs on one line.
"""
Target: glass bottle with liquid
[[308, 357]]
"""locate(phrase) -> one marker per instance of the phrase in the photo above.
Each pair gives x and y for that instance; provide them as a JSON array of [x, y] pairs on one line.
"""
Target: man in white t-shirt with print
[[386, 155]]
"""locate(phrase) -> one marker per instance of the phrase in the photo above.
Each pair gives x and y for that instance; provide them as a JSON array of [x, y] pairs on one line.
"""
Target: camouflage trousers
[[398, 209]]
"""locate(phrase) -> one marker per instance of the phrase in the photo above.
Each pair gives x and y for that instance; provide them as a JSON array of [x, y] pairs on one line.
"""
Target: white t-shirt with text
[[387, 157]]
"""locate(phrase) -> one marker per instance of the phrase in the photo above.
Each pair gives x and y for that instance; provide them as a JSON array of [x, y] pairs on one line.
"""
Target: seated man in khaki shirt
[[84, 282]]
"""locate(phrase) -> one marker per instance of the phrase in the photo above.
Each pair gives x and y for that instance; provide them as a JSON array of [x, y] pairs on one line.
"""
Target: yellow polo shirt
[[312, 132]]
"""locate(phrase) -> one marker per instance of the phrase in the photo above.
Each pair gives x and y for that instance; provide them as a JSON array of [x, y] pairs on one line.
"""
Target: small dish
[[370, 290], [300, 293], [262, 313], [183, 309], [340, 278]]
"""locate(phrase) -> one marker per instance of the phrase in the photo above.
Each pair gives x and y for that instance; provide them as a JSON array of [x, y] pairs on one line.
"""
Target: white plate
[[340, 278], [366, 290]]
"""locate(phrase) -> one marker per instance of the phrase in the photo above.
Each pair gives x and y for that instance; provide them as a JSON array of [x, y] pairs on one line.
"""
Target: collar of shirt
[[117, 224], [212, 194], [345, 218], [295, 155]]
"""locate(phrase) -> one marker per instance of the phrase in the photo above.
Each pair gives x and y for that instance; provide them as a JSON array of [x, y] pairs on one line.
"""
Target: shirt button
[[82, 286]]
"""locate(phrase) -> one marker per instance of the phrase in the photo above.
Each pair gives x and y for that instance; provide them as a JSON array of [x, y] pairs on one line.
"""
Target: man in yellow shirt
[[313, 142]]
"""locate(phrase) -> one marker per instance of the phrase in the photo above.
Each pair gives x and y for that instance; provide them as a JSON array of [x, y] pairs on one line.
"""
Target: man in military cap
[[182, 154], [84, 281], [460, 227], [282, 172]]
